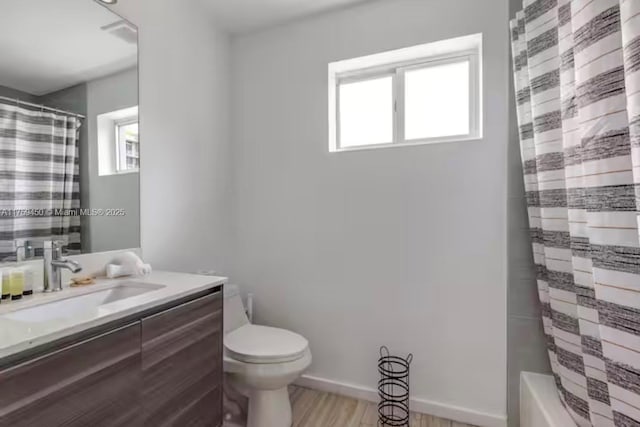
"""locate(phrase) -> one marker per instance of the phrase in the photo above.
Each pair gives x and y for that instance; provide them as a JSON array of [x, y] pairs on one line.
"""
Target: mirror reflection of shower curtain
[[39, 177]]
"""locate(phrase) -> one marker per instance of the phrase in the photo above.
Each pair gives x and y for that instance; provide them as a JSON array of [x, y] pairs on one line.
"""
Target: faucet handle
[[53, 244], [54, 247], [24, 249]]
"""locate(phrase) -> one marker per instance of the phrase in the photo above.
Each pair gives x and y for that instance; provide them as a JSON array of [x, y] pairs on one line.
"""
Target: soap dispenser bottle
[[5, 282], [28, 281], [16, 283]]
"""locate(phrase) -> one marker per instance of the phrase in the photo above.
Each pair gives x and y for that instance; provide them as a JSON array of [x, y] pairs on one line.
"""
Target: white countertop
[[17, 336]]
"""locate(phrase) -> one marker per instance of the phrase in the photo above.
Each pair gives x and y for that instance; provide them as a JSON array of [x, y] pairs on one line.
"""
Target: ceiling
[[49, 45], [241, 16]]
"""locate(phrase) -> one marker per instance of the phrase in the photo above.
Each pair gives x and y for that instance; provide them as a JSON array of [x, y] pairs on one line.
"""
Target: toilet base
[[269, 408]]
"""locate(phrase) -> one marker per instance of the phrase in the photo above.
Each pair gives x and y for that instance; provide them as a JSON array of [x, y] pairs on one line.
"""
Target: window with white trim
[[418, 95], [118, 142], [127, 146]]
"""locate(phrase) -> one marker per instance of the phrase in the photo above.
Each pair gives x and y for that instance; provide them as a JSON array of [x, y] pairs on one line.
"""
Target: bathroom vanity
[[139, 352], [132, 352]]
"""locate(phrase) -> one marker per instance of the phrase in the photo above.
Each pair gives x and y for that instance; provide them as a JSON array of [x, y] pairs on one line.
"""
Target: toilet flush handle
[[250, 307]]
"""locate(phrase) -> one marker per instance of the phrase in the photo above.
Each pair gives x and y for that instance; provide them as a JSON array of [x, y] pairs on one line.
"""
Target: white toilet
[[261, 362]]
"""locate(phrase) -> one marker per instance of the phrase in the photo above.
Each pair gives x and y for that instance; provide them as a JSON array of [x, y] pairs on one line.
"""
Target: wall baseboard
[[438, 409]]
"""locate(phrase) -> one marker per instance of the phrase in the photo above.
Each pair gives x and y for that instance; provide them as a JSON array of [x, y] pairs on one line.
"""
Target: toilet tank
[[234, 314]]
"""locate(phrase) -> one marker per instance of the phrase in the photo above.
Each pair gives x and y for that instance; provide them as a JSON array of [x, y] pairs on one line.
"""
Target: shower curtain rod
[[42, 107]]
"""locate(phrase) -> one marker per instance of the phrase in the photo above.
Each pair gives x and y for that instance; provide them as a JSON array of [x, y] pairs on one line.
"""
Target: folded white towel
[[126, 264]]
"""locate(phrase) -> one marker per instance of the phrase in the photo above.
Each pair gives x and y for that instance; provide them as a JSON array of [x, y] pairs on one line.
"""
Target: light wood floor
[[312, 408]]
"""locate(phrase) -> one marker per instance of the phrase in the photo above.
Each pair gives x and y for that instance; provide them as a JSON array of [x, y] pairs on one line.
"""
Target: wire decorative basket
[[393, 389]]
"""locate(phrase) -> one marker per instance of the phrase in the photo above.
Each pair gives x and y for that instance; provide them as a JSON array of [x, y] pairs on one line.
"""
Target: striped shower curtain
[[577, 77], [39, 177]]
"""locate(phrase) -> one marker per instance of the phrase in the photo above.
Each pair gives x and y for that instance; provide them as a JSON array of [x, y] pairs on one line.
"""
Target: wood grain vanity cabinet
[[182, 365], [163, 368], [80, 385]]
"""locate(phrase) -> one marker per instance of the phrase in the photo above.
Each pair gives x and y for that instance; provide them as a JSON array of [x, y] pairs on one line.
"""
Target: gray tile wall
[[526, 348]]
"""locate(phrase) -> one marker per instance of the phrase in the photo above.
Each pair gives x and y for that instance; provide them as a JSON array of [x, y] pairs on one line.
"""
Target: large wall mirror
[[69, 140]]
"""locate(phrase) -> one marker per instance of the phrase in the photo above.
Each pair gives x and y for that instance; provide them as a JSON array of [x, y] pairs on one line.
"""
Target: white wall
[[404, 247], [184, 138]]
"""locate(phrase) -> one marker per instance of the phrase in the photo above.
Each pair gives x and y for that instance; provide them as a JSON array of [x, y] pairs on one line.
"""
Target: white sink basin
[[73, 305]]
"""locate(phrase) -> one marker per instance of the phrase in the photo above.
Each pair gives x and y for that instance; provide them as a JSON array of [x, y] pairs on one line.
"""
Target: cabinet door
[[182, 365], [91, 383]]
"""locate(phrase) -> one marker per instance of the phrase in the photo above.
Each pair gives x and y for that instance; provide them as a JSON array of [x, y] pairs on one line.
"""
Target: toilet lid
[[263, 344]]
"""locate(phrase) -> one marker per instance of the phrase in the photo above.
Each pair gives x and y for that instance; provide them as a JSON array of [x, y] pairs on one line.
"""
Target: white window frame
[[468, 48], [120, 155]]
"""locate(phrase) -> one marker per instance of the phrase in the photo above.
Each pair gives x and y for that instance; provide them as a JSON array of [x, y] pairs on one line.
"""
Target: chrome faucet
[[53, 262]]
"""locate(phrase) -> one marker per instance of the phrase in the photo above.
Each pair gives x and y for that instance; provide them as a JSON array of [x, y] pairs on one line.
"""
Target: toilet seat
[[264, 344]]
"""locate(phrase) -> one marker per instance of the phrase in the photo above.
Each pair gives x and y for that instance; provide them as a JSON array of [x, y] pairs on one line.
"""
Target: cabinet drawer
[[94, 382], [159, 327], [182, 364]]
